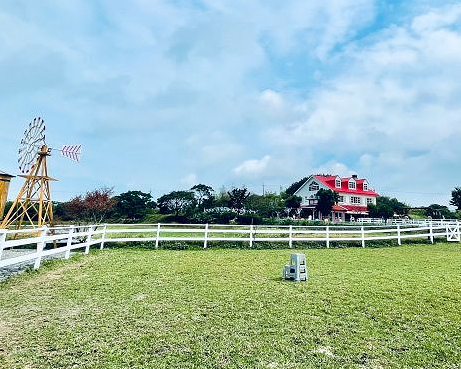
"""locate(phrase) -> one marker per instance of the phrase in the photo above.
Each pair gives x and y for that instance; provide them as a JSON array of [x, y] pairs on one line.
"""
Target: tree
[[134, 205], [268, 205], [98, 203], [326, 199], [295, 186], [176, 201], [386, 207], [436, 211], [292, 202], [237, 197], [456, 198], [380, 210], [203, 195]]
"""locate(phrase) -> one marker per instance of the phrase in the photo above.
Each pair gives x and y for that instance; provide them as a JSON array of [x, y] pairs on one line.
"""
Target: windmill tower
[[33, 205]]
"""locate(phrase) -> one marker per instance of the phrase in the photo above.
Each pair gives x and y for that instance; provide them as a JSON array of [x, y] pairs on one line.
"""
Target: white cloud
[[253, 167], [271, 99]]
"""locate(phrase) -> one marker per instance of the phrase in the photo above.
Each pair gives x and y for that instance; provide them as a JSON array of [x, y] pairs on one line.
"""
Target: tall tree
[[326, 200], [176, 201], [134, 205], [237, 197], [203, 195], [456, 198]]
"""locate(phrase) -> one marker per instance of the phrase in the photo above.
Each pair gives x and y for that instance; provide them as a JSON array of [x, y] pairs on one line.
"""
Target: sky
[[163, 95]]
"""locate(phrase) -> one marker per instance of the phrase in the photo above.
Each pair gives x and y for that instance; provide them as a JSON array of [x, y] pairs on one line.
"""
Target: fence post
[[2, 242], [457, 227], [103, 237], [157, 236], [291, 237], [40, 247], [431, 232], [88, 240], [363, 236], [251, 235], [69, 242], [327, 235], [398, 235], [205, 241]]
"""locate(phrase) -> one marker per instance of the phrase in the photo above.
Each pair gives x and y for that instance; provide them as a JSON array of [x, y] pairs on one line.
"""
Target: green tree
[[456, 198], [292, 203], [268, 205], [134, 205], [387, 207], [237, 198], [380, 210], [326, 199], [177, 202], [436, 211], [203, 196]]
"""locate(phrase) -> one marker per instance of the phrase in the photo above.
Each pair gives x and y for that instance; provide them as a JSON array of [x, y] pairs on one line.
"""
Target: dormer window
[[314, 186], [338, 182], [365, 186], [352, 185]]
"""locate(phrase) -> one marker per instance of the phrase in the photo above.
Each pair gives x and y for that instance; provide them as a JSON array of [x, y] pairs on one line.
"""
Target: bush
[[248, 219]]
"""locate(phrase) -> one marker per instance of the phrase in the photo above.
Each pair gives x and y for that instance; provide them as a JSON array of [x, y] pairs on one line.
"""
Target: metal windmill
[[33, 204]]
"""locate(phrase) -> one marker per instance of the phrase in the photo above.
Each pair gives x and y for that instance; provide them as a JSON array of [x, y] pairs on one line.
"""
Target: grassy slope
[[365, 308]]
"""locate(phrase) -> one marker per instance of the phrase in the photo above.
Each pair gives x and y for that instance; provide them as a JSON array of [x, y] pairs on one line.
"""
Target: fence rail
[[46, 242]]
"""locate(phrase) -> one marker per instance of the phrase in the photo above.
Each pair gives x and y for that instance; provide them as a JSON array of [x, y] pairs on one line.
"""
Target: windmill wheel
[[33, 140]]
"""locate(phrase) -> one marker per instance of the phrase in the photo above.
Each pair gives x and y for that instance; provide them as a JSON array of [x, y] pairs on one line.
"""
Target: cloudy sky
[[166, 94]]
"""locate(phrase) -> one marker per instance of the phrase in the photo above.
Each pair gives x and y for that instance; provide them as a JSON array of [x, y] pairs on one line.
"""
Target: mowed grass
[[136, 308]]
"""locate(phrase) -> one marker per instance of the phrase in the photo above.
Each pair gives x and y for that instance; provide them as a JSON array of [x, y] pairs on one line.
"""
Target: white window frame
[[340, 198], [338, 181], [352, 185], [369, 201], [365, 186], [356, 200]]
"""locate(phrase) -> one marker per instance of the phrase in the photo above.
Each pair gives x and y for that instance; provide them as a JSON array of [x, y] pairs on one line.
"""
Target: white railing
[[47, 242], [406, 221]]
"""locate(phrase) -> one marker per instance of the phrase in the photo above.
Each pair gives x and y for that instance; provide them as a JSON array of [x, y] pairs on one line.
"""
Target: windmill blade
[[72, 152]]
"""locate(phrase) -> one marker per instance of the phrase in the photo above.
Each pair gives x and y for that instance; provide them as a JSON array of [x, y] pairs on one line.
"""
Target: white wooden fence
[[45, 242]]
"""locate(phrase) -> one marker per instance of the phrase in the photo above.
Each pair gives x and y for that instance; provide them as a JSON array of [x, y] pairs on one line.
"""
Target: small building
[[354, 193], [4, 186]]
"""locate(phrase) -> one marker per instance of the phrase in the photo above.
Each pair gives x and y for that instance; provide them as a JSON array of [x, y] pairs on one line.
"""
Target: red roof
[[355, 208], [329, 181]]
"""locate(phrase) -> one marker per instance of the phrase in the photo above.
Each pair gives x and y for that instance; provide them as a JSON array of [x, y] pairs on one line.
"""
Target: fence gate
[[453, 232]]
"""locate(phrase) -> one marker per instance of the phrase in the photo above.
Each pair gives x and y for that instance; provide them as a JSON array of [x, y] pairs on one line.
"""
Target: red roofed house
[[354, 196]]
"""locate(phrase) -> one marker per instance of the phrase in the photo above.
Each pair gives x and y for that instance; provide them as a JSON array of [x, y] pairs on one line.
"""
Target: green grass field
[[397, 307]]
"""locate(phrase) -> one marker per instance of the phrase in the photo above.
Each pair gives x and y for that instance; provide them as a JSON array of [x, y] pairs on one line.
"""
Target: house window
[[313, 202], [351, 184], [338, 183], [365, 186], [314, 186], [355, 200], [369, 201], [340, 198]]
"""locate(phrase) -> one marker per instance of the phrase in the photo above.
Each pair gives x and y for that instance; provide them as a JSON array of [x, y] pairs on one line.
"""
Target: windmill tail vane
[[72, 152]]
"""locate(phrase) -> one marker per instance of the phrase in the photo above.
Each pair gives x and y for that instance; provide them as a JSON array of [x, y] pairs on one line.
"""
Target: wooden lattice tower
[[33, 205]]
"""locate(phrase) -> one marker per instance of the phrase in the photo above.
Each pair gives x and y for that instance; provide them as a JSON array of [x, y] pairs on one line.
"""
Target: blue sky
[[166, 94]]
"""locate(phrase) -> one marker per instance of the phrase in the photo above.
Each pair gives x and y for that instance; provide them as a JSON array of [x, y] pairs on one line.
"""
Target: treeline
[[202, 204], [199, 204]]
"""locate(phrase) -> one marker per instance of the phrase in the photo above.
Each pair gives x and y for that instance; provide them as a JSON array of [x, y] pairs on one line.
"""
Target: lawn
[[391, 307]]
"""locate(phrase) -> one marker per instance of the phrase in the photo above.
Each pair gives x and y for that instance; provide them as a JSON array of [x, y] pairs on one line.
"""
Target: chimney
[[354, 176]]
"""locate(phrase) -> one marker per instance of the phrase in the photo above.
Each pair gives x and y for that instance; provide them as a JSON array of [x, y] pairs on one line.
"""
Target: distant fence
[[45, 242], [402, 221]]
